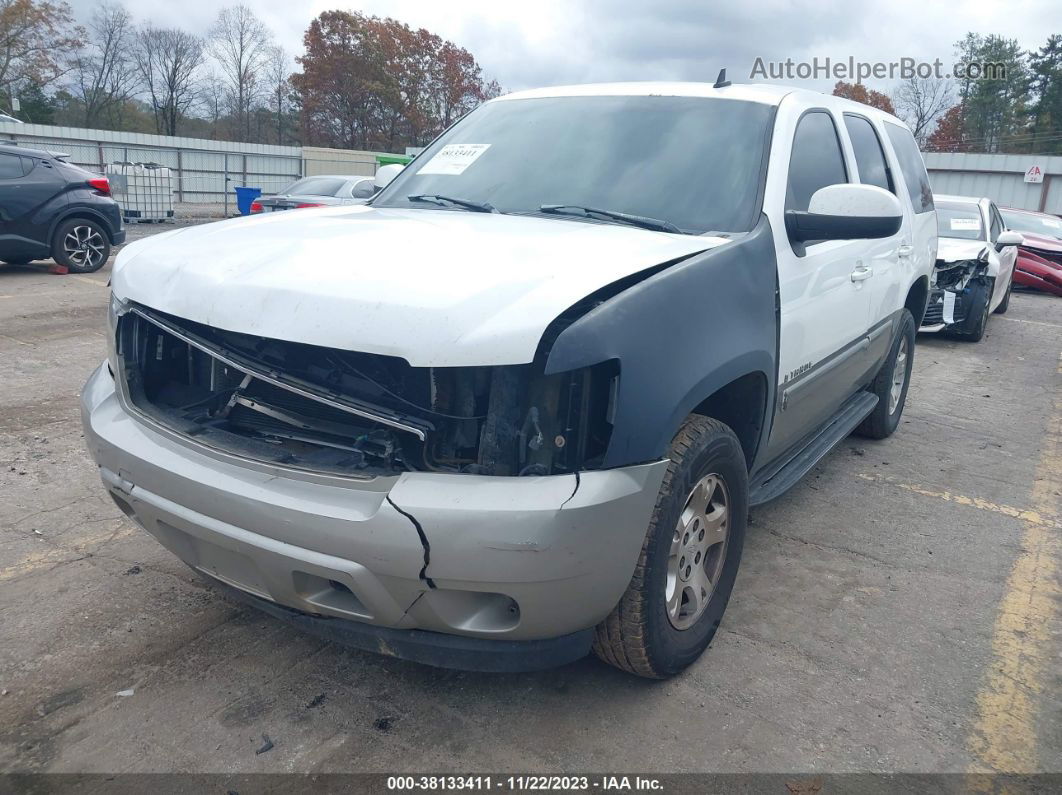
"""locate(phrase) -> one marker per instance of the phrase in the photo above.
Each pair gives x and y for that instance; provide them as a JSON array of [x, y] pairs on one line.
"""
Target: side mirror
[[1008, 237], [365, 189], [384, 175], [846, 212]]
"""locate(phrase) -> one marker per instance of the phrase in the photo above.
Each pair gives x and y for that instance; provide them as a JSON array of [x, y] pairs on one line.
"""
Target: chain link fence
[[203, 173]]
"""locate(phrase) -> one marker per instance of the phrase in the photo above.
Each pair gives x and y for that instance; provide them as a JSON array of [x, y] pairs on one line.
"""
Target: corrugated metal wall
[[202, 168], [1000, 177]]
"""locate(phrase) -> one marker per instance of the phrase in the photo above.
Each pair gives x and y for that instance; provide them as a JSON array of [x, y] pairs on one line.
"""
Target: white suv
[[520, 404]]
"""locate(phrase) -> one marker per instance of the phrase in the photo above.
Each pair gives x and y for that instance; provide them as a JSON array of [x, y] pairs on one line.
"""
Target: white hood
[[434, 287], [953, 249]]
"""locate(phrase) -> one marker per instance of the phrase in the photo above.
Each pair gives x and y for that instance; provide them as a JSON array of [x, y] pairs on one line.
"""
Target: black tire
[[1004, 305], [882, 421], [638, 636], [973, 330], [81, 245]]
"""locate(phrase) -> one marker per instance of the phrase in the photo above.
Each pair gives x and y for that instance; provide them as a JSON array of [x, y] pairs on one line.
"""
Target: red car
[[1039, 263]]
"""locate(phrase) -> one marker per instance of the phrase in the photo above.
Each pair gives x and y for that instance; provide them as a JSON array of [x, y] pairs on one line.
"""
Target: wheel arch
[[85, 213], [741, 405], [917, 299]]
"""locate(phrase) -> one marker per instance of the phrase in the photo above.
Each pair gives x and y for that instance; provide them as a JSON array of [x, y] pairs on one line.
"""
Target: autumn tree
[[857, 92], [368, 82], [33, 36], [948, 135]]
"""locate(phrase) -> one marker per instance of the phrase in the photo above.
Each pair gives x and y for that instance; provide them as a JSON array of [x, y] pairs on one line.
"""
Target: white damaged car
[[519, 405], [974, 272]]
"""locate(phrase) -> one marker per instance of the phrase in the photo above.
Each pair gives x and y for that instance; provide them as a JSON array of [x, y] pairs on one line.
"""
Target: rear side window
[[868, 152], [914, 170], [13, 166], [816, 160]]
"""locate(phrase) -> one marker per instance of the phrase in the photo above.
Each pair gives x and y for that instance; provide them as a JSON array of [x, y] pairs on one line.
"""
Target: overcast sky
[[552, 42]]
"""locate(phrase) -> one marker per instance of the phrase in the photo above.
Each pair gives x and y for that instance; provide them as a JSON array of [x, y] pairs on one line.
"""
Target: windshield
[[959, 220], [315, 186], [1037, 224], [694, 162]]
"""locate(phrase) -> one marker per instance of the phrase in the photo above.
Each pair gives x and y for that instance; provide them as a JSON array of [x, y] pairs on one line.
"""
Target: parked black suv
[[50, 208]]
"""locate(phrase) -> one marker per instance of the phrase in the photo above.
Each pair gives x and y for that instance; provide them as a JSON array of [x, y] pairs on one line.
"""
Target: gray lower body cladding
[[486, 557]]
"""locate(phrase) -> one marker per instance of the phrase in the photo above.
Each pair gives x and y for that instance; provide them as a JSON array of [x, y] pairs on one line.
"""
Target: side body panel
[[679, 336], [824, 353], [1006, 257], [26, 207], [915, 251]]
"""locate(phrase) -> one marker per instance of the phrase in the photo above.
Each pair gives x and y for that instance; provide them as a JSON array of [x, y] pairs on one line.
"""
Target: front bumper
[[494, 558], [945, 308]]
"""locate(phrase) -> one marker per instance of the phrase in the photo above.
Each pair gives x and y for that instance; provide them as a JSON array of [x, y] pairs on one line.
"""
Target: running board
[[777, 480]]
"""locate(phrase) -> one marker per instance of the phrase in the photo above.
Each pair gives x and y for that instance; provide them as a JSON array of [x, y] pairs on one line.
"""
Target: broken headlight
[[326, 409], [526, 423]]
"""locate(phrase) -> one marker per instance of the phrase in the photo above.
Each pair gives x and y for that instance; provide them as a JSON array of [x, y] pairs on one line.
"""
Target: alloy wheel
[[698, 549], [84, 247], [899, 375]]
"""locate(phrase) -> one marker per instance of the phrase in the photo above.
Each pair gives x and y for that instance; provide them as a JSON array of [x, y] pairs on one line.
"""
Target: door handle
[[862, 273], [905, 250]]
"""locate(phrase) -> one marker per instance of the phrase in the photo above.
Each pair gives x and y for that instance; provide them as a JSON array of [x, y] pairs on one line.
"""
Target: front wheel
[[973, 330], [81, 245], [689, 560]]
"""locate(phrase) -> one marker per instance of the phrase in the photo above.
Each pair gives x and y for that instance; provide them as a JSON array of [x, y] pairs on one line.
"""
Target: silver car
[[318, 191]]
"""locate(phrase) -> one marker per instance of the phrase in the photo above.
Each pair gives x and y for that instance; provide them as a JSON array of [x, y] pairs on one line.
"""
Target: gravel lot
[[899, 610]]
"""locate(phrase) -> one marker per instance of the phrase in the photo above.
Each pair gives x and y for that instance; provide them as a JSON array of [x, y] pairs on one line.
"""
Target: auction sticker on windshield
[[965, 225], [453, 159]]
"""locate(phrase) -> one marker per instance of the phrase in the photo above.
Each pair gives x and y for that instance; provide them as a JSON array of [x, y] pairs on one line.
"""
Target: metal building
[[1029, 182]]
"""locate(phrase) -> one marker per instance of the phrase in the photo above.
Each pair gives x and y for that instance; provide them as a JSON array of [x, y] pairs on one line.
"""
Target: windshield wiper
[[645, 222], [479, 207]]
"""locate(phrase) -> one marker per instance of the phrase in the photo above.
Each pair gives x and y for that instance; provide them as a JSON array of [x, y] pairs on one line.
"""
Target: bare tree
[[168, 61], [240, 42], [103, 74], [278, 68], [920, 101], [212, 99]]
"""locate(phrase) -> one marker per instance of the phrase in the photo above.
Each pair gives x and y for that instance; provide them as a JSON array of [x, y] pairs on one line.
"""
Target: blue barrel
[[244, 197]]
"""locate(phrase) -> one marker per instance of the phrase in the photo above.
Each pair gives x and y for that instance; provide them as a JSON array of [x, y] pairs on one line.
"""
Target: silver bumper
[[490, 557]]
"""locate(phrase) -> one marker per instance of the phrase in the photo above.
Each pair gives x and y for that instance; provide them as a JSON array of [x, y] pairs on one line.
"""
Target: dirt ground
[[899, 610]]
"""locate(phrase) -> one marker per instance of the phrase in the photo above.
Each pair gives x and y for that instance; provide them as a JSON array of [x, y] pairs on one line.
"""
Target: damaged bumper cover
[[492, 559], [957, 294]]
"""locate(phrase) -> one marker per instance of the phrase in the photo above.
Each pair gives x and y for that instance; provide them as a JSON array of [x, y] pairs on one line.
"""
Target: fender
[[679, 335], [74, 210]]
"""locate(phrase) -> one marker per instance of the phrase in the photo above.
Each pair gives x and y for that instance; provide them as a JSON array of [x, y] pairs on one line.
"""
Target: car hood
[[953, 249], [434, 287], [1042, 242]]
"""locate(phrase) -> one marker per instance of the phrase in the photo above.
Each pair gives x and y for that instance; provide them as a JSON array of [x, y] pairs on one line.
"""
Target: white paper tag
[[949, 307], [965, 224], [453, 159]]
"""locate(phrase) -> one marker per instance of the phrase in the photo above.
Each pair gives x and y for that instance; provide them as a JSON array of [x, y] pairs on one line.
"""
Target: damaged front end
[[957, 292], [329, 410]]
